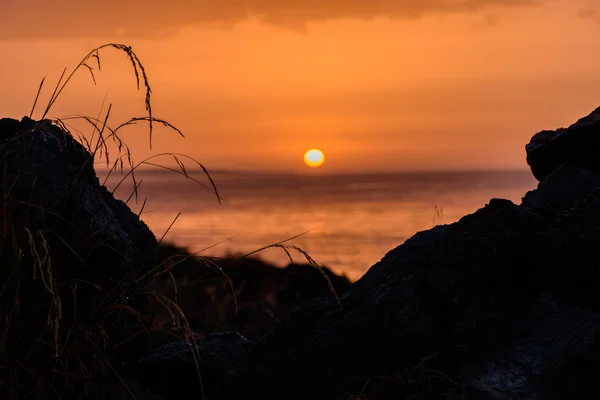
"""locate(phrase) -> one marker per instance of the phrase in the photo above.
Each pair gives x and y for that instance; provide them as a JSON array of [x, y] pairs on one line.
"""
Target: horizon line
[[327, 173]]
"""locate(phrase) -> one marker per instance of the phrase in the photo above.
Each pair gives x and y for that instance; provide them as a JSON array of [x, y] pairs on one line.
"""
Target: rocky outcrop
[[501, 304], [183, 368], [72, 256], [575, 146]]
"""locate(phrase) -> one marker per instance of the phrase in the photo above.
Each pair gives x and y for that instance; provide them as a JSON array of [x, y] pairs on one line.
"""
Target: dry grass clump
[[45, 352], [418, 382], [58, 334]]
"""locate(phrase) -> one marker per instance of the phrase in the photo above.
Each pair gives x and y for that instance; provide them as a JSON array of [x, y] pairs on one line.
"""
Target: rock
[[552, 332], [575, 146], [501, 304], [191, 368], [561, 191], [72, 258]]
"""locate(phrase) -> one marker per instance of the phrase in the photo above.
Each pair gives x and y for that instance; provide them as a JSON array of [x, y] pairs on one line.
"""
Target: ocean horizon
[[345, 221]]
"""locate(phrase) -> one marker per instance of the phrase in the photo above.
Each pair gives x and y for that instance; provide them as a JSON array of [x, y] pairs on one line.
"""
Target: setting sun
[[314, 158]]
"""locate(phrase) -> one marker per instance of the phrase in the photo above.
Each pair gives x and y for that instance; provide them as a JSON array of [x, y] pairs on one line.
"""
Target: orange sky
[[385, 85]]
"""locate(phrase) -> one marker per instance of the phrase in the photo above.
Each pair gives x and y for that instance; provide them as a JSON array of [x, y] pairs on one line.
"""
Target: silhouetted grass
[[72, 359]]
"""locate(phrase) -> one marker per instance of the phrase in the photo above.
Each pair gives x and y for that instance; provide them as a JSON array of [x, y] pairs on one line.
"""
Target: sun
[[314, 158]]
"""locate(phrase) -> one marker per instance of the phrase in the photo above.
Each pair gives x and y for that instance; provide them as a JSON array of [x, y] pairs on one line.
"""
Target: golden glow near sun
[[314, 158]]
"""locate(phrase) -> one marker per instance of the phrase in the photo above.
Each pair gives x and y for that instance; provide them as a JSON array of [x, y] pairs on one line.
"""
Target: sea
[[346, 222]]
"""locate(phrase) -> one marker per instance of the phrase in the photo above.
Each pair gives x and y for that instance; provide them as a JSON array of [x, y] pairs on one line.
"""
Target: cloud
[[590, 14], [492, 19], [38, 19]]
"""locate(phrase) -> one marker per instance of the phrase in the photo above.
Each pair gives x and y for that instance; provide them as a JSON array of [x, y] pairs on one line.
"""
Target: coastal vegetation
[[86, 288]]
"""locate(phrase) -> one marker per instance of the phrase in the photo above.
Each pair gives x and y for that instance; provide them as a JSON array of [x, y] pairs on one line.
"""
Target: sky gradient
[[388, 85]]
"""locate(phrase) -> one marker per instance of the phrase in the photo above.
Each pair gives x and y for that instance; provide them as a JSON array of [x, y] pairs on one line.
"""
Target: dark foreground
[[499, 305]]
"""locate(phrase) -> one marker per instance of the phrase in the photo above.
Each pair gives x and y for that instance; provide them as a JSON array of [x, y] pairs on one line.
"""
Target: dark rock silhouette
[[71, 255], [575, 146], [501, 304], [170, 370]]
